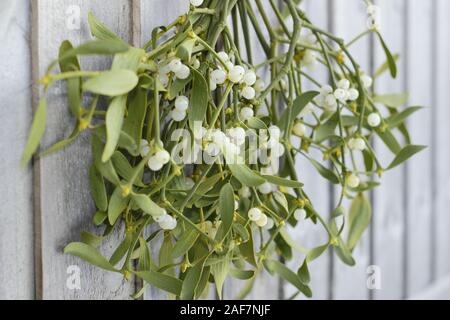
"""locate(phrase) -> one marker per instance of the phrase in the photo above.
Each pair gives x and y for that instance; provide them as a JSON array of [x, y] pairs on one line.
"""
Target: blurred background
[[404, 255]]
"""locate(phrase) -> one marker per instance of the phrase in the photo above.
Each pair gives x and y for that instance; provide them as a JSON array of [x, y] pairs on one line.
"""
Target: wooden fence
[[48, 204]]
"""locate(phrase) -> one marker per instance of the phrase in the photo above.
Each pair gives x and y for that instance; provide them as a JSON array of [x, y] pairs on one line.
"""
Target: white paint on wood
[[418, 189], [16, 213], [442, 151], [308, 234], [388, 214], [350, 20], [66, 207]]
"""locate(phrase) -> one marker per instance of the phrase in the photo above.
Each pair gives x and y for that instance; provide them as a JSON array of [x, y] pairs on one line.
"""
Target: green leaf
[[289, 276], [186, 241], [91, 239], [220, 271], [121, 249], [177, 86], [184, 50], [344, 253], [281, 200], [226, 205], [100, 47], [137, 110], [299, 104], [99, 218], [398, 118], [89, 254], [359, 219], [73, 84], [242, 274], [36, 132], [406, 153], [124, 168], [199, 99], [61, 144], [112, 83], [100, 31], [129, 60], [325, 172], [385, 66], [326, 130], [105, 168], [303, 273], [256, 123], [283, 182], [145, 259], [316, 252], [162, 281], [147, 205], [390, 59], [245, 175], [393, 100], [98, 189], [390, 141], [117, 205], [114, 122], [241, 231]]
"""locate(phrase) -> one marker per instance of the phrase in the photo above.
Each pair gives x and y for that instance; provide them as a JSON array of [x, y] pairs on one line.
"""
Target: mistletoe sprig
[[197, 144]]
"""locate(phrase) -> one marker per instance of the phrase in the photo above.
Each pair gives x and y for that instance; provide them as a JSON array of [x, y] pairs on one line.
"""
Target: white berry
[[269, 224], [357, 144], [236, 74], [374, 120], [265, 188], [299, 129], [262, 221], [196, 3], [353, 94], [218, 76], [244, 192], [254, 214], [181, 103], [178, 115], [300, 214], [246, 113], [248, 93], [163, 156], [236, 205], [183, 72], [175, 65], [367, 81], [353, 181], [155, 164], [343, 84], [259, 85], [223, 56], [250, 78]]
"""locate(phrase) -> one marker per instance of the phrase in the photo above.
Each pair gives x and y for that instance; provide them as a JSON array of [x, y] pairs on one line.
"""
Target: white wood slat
[[442, 134], [306, 233], [16, 212], [66, 207], [418, 186], [388, 214], [350, 282]]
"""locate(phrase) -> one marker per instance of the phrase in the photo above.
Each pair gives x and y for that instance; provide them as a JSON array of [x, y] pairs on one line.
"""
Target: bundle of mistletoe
[[197, 145]]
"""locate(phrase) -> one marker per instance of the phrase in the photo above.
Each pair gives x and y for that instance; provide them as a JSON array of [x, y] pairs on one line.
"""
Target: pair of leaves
[[290, 276], [299, 104]]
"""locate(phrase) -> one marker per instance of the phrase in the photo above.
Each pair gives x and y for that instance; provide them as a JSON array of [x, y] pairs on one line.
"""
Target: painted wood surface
[[16, 211], [418, 184], [388, 206], [65, 206], [410, 209]]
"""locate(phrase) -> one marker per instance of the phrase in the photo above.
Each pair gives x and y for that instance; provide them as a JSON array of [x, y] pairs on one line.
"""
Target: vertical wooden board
[[148, 15], [66, 207], [306, 233], [442, 134], [388, 209], [418, 186], [350, 19], [16, 212]]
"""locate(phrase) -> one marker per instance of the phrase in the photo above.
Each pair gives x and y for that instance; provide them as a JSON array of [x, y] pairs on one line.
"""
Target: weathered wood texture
[[388, 206], [409, 239], [349, 19], [65, 206], [16, 211]]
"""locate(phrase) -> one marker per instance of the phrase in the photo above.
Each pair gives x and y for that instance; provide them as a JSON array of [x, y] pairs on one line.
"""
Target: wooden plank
[[388, 209], [349, 20], [62, 186], [308, 234], [16, 212], [418, 187], [442, 136]]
